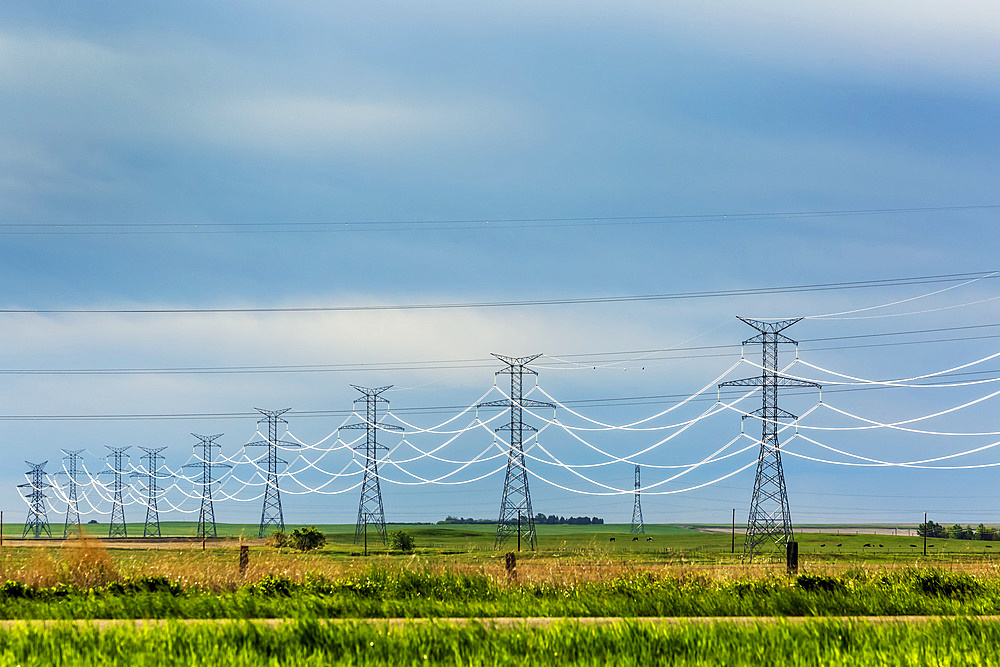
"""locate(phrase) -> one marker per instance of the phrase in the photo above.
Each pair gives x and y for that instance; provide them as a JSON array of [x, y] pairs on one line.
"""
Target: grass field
[[837, 643], [455, 572]]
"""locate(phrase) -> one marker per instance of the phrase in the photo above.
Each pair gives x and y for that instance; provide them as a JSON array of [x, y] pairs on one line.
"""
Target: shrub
[[307, 539], [279, 539], [401, 541]]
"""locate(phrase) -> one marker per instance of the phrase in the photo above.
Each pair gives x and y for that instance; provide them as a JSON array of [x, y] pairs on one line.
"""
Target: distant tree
[[932, 529], [279, 539], [401, 541]]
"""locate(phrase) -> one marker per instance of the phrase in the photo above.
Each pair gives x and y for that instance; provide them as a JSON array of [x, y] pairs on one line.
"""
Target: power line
[[667, 296], [609, 402], [449, 364], [455, 224]]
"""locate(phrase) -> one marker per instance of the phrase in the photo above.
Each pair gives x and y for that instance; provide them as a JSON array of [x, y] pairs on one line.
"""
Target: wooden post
[[519, 531], [510, 563], [244, 559], [366, 534], [792, 557], [925, 534]]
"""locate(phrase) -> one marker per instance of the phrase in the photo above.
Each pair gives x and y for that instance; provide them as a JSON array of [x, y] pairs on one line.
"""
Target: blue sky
[[284, 132]]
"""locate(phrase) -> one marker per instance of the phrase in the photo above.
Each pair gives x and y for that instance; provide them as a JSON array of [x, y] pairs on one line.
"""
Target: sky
[[218, 188]]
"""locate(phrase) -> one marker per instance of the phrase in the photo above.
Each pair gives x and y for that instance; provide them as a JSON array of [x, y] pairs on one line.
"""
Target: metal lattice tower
[[37, 521], [71, 466], [516, 517], [769, 519], [270, 511], [370, 509], [118, 528], [151, 471], [206, 464], [637, 525]]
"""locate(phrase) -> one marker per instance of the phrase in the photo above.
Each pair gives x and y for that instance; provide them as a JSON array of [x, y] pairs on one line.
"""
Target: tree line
[[958, 532], [550, 520]]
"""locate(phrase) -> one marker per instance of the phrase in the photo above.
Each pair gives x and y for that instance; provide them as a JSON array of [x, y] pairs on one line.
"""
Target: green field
[[669, 542], [578, 572]]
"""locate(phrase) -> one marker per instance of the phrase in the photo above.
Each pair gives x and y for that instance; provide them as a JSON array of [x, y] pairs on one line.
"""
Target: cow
[[635, 539], [649, 539], [611, 540]]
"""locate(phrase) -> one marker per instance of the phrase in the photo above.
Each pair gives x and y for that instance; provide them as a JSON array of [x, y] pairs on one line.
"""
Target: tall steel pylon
[[637, 525], [370, 509], [270, 512], [37, 521], [71, 466], [769, 518], [516, 517], [151, 471], [118, 527], [206, 463]]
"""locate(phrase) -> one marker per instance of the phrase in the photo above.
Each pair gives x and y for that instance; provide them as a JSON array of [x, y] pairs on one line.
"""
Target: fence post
[[510, 563], [244, 559], [792, 557]]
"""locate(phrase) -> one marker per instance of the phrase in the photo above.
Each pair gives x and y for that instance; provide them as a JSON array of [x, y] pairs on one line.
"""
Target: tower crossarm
[[523, 403], [513, 362], [780, 380], [364, 425], [265, 443], [769, 327]]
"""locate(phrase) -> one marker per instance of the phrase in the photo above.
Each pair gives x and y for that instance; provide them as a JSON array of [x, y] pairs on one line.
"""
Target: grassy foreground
[[398, 592], [946, 642]]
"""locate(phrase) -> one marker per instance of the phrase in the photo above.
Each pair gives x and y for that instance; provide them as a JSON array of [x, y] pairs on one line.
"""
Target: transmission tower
[[71, 466], [370, 508], [515, 507], [637, 525], [270, 512], [770, 519], [37, 521], [206, 463], [151, 471], [118, 528]]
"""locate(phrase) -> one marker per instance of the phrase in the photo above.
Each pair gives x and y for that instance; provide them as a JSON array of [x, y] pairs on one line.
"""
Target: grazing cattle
[[635, 539], [914, 546], [840, 545], [989, 546], [649, 539], [822, 545], [867, 545], [880, 546], [611, 540]]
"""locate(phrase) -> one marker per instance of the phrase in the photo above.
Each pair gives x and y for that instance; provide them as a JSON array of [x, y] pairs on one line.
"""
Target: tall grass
[[949, 642], [383, 592]]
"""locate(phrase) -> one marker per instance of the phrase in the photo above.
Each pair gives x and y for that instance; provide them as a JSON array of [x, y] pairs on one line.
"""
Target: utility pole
[[37, 521], [206, 463], [925, 534], [71, 466], [770, 518], [270, 512], [734, 530], [516, 496], [637, 525], [151, 463], [118, 527], [370, 508]]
